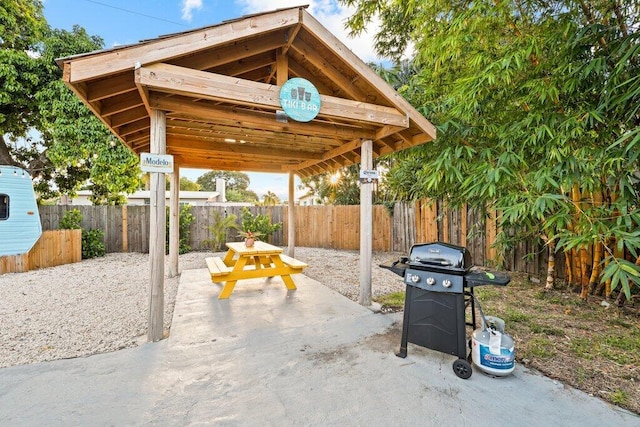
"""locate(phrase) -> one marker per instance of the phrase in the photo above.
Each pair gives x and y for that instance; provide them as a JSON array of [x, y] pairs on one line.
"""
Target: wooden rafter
[[181, 81], [250, 118]]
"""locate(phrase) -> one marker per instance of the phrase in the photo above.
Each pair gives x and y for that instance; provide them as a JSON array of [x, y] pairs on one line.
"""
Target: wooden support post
[[366, 224], [282, 75], [157, 230], [291, 218], [174, 222]]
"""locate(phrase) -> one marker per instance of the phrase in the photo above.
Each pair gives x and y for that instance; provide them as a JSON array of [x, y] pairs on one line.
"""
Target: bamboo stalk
[[605, 287], [577, 254], [584, 280], [568, 268], [551, 264], [598, 248], [595, 267]]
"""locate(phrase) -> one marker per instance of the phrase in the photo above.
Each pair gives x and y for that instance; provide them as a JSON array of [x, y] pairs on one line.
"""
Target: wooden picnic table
[[260, 260]]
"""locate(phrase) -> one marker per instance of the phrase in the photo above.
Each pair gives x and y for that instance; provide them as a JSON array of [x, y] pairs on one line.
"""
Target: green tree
[[342, 187], [259, 224], [187, 185], [44, 128], [270, 199], [242, 196], [184, 229], [233, 180], [536, 105], [220, 226], [236, 184], [22, 28]]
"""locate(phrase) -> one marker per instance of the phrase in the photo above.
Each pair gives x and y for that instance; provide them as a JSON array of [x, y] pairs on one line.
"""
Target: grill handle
[[435, 261]]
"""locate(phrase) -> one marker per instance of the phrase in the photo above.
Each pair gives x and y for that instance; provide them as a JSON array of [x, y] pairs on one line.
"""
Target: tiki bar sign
[[300, 99]]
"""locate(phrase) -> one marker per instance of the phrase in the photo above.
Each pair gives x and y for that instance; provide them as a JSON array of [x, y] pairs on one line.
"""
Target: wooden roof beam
[[335, 45], [329, 70], [182, 81], [246, 65], [256, 138], [248, 118], [222, 147], [164, 49], [111, 86], [230, 165], [138, 125], [120, 103], [300, 71], [247, 135], [129, 116], [229, 54], [345, 148], [135, 138], [292, 33]]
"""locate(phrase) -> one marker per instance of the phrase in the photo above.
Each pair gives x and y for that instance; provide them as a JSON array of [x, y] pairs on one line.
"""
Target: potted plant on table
[[250, 237]]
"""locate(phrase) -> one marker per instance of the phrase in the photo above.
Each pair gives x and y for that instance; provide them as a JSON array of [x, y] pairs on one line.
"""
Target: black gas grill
[[440, 281]]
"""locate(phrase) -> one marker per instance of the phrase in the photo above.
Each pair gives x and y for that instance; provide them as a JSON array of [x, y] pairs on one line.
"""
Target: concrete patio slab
[[268, 356]]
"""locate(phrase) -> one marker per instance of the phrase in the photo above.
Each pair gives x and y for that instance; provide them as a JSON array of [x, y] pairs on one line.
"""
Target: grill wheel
[[462, 368]]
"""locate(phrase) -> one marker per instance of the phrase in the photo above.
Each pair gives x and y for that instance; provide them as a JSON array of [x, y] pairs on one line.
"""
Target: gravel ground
[[101, 305]]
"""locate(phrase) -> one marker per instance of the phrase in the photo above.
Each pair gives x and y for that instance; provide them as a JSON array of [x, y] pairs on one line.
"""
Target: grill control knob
[[446, 283], [414, 278], [431, 281]]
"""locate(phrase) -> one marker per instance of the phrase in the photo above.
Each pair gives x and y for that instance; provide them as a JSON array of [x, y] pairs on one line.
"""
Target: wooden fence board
[[336, 227], [55, 247]]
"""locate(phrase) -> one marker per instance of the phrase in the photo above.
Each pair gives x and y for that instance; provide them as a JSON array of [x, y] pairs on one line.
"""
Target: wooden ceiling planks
[[218, 87]]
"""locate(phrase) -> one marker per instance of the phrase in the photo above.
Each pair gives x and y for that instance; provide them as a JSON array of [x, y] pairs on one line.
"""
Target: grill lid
[[440, 256]]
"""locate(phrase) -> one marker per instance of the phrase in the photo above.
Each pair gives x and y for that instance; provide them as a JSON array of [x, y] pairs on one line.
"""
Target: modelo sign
[[300, 99], [159, 163]]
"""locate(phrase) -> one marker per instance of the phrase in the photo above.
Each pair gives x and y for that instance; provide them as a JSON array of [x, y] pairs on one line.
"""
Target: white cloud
[[331, 14], [188, 6]]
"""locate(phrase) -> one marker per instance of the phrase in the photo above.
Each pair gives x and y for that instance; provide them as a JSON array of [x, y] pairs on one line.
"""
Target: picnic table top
[[257, 249]]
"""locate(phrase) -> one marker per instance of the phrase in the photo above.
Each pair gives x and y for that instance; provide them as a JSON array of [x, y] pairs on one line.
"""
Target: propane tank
[[493, 350]]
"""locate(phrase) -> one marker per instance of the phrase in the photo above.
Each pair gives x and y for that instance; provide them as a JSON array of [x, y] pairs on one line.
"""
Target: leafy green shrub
[[220, 226], [184, 229], [93, 244], [71, 220], [92, 240], [258, 223]]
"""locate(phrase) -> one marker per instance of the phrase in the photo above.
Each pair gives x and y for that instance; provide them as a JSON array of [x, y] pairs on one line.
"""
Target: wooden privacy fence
[[338, 227], [477, 231], [126, 229], [55, 247]]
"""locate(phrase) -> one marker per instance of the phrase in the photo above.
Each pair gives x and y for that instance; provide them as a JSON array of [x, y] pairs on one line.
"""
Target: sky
[[122, 22]]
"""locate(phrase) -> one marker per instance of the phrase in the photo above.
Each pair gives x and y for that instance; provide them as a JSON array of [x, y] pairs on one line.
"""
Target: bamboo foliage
[[544, 125]]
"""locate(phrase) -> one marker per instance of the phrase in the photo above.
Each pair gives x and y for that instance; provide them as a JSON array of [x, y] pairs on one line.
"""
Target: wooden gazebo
[[210, 97]]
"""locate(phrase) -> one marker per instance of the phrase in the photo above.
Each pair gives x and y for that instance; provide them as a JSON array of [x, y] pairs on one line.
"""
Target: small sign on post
[[158, 163], [368, 176]]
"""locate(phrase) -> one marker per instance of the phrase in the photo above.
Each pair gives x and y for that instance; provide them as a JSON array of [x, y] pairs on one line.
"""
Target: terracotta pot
[[249, 242]]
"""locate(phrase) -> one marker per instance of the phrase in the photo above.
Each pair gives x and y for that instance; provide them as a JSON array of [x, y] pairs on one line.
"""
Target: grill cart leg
[[405, 324], [462, 368]]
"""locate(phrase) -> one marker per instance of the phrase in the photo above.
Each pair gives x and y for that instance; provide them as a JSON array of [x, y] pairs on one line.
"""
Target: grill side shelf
[[398, 266], [481, 278]]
